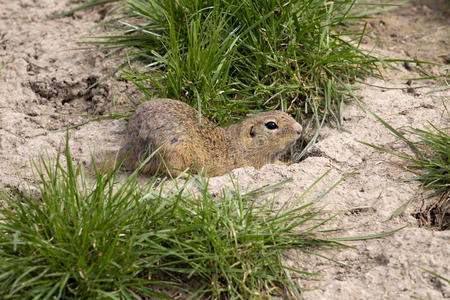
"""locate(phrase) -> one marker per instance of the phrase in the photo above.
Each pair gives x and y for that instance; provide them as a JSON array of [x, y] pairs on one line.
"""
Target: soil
[[43, 88]]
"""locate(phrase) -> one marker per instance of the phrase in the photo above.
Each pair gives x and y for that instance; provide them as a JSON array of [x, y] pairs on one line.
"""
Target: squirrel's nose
[[298, 129]]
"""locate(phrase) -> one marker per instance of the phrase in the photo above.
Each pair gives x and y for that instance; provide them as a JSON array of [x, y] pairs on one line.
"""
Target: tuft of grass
[[83, 237], [430, 162], [230, 58]]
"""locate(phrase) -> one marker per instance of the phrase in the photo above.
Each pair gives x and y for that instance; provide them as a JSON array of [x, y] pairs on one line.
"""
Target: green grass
[[435, 274], [84, 238], [100, 238], [430, 161], [229, 58]]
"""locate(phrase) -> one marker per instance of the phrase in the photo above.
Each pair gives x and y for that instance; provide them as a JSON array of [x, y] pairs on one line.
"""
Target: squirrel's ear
[[252, 133]]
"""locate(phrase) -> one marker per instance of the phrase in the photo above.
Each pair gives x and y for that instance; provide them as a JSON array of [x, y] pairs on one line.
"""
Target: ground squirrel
[[184, 143]]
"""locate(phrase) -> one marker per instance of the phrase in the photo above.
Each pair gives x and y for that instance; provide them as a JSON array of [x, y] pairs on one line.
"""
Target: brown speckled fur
[[185, 144]]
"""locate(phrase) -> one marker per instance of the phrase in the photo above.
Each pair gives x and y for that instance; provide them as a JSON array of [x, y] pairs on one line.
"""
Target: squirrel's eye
[[271, 125]]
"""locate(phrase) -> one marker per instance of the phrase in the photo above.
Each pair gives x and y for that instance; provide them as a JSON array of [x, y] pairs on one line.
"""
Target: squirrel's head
[[267, 135]]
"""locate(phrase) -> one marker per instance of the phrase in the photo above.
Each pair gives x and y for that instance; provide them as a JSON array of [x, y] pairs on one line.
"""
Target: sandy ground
[[43, 88]]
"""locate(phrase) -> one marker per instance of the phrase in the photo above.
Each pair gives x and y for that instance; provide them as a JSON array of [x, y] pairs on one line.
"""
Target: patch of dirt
[[437, 214], [64, 91], [418, 30], [43, 88]]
